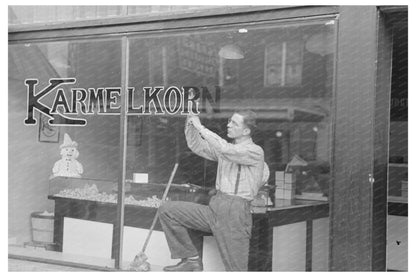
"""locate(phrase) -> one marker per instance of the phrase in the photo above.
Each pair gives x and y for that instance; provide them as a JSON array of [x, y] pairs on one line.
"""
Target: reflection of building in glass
[[283, 63]]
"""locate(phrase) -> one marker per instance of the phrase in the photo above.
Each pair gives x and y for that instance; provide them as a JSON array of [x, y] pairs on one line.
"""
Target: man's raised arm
[[242, 154], [196, 143]]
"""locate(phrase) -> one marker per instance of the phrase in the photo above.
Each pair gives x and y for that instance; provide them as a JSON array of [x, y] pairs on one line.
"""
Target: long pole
[[118, 230]]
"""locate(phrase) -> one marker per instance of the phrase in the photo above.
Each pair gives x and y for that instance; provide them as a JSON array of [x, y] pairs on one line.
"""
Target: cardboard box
[[282, 193], [282, 202], [289, 186], [288, 193], [290, 178], [279, 193], [285, 185], [280, 183], [279, 175]]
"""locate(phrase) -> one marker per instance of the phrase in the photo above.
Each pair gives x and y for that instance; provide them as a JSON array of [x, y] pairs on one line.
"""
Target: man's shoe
[[185, 265]]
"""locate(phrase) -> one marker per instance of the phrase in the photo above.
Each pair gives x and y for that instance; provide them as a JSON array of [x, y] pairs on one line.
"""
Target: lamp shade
[[321, 43], [231, 52]]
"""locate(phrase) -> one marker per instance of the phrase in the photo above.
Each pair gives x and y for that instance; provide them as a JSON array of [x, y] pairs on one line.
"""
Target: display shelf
[[397, 199], [397, 206], [311, 196], [398, 165]]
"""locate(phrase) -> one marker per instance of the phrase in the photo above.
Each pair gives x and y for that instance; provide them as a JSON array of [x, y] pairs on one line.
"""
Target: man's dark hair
[[249, 119]]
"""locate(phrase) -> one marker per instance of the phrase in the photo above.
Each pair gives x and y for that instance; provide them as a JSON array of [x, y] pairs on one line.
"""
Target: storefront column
[[358, 196]]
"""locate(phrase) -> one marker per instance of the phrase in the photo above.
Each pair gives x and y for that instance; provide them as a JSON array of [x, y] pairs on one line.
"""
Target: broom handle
[[165, 193]]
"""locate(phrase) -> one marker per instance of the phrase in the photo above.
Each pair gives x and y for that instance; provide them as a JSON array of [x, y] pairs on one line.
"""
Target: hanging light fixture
[[231, 52], [321, 43]]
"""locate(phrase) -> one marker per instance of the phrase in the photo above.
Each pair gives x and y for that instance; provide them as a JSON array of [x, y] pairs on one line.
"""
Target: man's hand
[[192, 95], [194, 120]]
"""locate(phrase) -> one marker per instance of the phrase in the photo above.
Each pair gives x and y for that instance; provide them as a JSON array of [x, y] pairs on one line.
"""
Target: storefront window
[[55, 193], [283, 72]]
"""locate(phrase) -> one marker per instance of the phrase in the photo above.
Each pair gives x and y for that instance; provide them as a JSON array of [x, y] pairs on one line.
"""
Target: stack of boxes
[[285, 185]]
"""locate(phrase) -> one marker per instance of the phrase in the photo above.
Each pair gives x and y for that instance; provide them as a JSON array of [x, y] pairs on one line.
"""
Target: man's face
[[236, 127]]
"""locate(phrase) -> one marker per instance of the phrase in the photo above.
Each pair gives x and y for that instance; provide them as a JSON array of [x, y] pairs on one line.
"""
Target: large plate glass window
[[283, 71], [63, 179]]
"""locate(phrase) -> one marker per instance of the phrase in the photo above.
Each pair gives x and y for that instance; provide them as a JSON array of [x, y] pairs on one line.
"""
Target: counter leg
[[268, 247], [58, 227], [114, 243], [309, 234]]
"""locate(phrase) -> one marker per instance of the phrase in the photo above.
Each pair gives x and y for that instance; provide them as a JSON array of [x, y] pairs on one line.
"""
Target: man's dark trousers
[[227, 217]]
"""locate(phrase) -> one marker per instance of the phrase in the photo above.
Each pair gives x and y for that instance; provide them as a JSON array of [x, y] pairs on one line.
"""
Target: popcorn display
[[153, 201], [90, 192]]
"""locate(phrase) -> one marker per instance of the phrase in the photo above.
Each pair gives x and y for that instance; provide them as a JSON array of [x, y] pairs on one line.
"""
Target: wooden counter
[[287, 212], [260, 258]]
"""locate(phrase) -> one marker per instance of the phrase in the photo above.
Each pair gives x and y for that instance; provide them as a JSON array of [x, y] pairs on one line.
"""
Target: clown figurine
[[68, 166]]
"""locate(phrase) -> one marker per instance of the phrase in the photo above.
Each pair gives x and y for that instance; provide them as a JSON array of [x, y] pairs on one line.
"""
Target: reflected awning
[[301, 109]]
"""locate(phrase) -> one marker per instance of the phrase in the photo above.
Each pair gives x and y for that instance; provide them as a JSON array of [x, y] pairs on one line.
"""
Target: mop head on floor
[[140, 263]]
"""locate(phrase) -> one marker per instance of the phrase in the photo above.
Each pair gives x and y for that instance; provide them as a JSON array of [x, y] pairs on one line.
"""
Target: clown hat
[[68, 142]]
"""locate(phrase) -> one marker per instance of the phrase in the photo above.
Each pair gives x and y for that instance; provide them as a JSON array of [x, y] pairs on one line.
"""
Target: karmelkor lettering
[[69, 103]]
